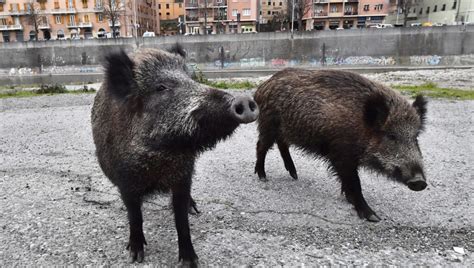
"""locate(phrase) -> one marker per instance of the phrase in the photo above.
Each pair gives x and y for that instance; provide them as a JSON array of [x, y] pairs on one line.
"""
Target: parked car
[[415, 24], [149, 34], [382, 26]]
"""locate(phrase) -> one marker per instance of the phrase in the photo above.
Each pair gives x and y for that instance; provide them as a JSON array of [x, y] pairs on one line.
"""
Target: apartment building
[[273, 10], [171, 13], [333, 14], [372, 12], [444, 12], [220, 16], [74, 19]]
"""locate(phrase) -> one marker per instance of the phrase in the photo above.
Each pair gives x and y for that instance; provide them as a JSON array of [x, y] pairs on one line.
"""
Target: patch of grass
[[231, 84], [432, 90], [43, 90]]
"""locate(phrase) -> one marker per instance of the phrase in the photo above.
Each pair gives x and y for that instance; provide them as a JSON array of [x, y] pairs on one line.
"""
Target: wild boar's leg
[[350, 186], [181, 203], [263, 145], [285, 154], [193, 210], [137, 239]]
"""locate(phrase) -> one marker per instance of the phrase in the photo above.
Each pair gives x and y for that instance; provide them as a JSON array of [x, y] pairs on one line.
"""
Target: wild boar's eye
[[160, 88], [391, 137]]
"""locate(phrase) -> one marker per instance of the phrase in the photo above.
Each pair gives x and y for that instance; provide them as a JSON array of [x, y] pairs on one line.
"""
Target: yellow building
[[75, 19], [171, 14]]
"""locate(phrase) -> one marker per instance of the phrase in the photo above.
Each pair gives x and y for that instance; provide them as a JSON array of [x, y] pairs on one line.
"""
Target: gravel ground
[[58, 207]]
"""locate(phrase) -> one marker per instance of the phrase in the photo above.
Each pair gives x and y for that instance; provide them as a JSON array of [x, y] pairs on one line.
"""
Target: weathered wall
[[452, 45]]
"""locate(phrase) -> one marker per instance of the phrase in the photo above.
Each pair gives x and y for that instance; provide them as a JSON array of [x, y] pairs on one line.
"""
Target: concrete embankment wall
[[414, 46]]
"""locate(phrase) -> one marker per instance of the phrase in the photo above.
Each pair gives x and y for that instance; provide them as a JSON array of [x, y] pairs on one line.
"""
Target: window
[[58, 19], [427, 10], [421, 11], [159, 14], [268, 12], [167, 6], [435, 8], [234, 12], [159, 6], [273, 3], [366, 7], [246, 12], [269, 3], [100, 17], [180, 5], [72, 20], [1, 8], [455, 4], [167, 13], [281, 3], [84, 3], [3, 21], [443, 8], [333, 8], [414, 10]]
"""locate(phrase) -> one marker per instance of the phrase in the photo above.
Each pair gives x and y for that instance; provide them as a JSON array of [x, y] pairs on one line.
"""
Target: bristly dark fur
[[420, 104], [344, 119], [119, 73], [150, 122], [178, 49], [376, 110]]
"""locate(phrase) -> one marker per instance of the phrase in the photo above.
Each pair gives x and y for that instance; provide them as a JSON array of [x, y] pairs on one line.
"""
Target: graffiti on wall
[[252, 62], [353, 60], [425, 60]]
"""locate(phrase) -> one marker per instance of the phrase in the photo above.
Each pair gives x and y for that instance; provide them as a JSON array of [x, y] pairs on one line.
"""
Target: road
[[58, 208]]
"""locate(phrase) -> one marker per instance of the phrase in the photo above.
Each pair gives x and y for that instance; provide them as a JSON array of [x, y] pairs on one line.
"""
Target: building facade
[[74, 19], [444, 12], [220, 16], [171, 13], [333, 14], [273, 14]]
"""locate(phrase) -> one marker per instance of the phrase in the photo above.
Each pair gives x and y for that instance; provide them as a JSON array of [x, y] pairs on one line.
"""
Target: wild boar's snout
[[417, 183], [244, 109]]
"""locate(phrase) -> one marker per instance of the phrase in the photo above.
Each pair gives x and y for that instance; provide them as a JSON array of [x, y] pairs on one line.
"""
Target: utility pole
[[205, 16], [292, 17]]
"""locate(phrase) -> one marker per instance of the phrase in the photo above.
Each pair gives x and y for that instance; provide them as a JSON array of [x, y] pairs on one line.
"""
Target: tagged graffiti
[[425, 60], [353, 60], [278, 63], [252, 62]]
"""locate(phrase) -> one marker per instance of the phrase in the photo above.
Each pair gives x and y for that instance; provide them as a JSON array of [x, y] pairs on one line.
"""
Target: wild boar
[[345, 119], [150, 121]]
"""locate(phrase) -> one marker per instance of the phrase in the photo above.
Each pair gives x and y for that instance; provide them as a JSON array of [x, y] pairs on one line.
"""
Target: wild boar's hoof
[[193, 208], [261, 175], [294, 175], [374, 218], [136, 255], [189, 264]]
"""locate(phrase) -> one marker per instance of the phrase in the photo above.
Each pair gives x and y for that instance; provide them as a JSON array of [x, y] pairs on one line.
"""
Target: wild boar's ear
[[376, 111], [119, 73], [420, 106], [178, 49]]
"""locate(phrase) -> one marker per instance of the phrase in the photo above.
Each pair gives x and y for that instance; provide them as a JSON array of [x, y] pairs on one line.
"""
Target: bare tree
[[113, 11], [34, 16], [404, 7], [302, 7]]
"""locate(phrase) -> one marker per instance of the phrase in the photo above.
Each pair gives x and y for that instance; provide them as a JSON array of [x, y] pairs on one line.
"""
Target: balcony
[[80, 25], [98, 9], [117, 24], [17, 12], [191, 5], [218, 18], [44, 26], [192, 18], [320, 1], [320, 14], [16, 27], [351, 13], [63, 11]]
